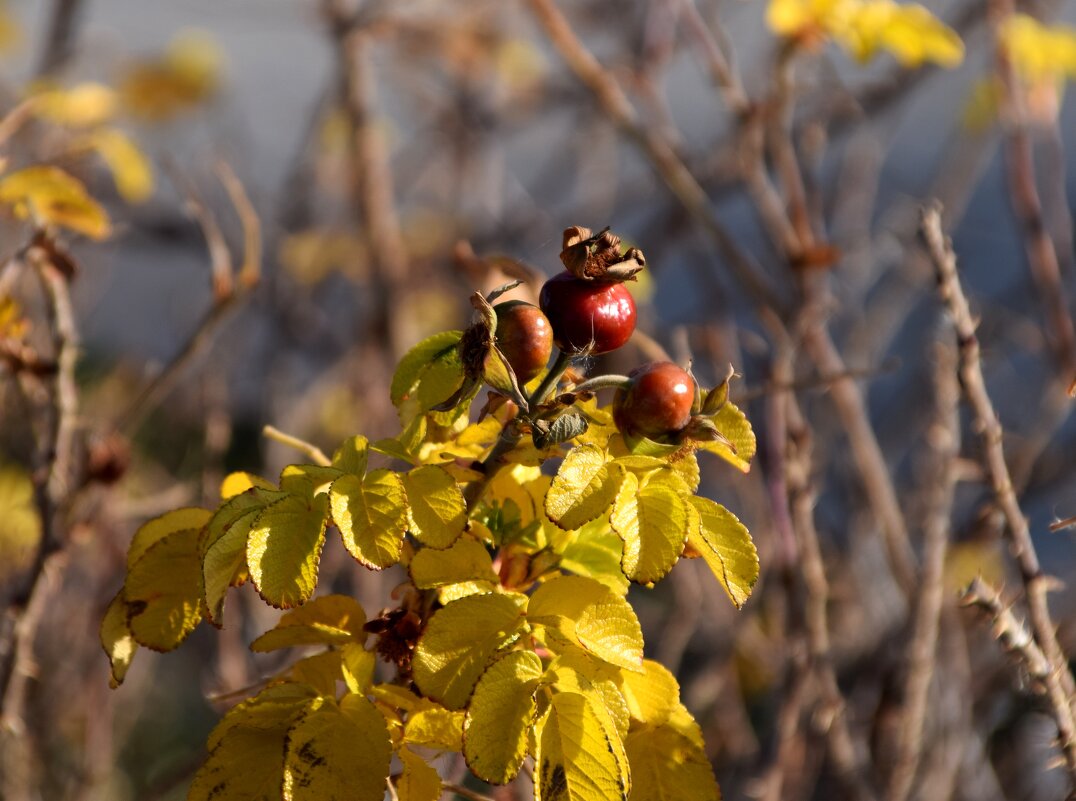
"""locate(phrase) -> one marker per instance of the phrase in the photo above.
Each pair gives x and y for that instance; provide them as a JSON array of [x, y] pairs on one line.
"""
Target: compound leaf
[[372, 516], [589, 615], [328, 620], [500, 715], [726, 545], [284, 549], [458, 642], [438, 512], [584, 488]]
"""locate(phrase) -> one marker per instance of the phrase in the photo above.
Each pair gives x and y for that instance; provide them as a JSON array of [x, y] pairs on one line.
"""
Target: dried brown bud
[[598, 256]]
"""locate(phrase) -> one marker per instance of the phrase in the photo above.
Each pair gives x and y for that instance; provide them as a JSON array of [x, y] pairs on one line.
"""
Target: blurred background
[[329, 181]]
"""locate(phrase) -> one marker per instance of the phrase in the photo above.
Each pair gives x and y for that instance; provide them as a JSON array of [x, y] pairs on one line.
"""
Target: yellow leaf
[[436, 507], [578, 672], [1039, 52], [467, 560], [358, 668], [584, 488], [733, 423], [312, 255], [239, 482], [431, 725], [596, 551], [328, 620], [117, 641], [652, 696], [419, 782], [726, 546], [667, 764], [20, 522], [10, 31], [653, 523], [224, 544], [130, 167], [371, 514], [589, 615], [458, 642], [321, 671], [308, 480], [163, 591], [428, 374], [84, 105], [160, 527], [500, 716], [51, 196], [353, 456], [187, 74], [284, 549], [804, 18], [909, 31], [337, 752], [580, 756]]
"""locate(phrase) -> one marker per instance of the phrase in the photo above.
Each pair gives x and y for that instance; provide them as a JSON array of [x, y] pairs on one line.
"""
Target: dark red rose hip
[[587, 316], [525, 338]]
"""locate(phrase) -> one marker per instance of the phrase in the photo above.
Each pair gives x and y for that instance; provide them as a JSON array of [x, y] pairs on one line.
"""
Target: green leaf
[[733, 424], [726, 545], [653, 524], [372, 516], [596, 551], [116, 639], [428, 374], [589, 615], [458, 642], [568, 426], [652, 696], [419, 781], [438, 512], [338, 753], [666, 764], [284, 549], [352, 456], [580, 756], [246, 749], [584, 488], [328, 620], [163, 591], [500, 716], [467, 560], [160, 527], [224, 545]]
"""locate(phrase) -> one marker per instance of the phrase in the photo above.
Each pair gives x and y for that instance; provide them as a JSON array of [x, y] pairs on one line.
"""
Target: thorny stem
[[1059, 681]]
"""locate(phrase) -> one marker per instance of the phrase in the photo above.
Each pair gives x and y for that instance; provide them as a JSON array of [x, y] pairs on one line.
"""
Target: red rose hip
[[656, 402], [587, 316], [525, 338]]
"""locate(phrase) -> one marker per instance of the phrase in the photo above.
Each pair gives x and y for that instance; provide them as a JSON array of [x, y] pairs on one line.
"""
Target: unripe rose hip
[[525, 338], [657, 401]]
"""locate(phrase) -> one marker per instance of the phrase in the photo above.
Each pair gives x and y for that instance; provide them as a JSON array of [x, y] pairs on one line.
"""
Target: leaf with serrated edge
[[308, 480], [579, 672], [431, 725], [667, 765], [726, 546], [163, 591], [351, 457], [580, 756], [337, 753], [596, 551], [651, 696], [599, 621], [653, 524], [328, 620], [419, 781], [409, 370], [733, 423], [284, 549], [357, 665], [246, 748], [584, 488], [160, 527], [117, 641], [437, 509], [458, 642], [500, 716], [466, 560], [321, 671], [372, 516], [239, 482], [224, 545]]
